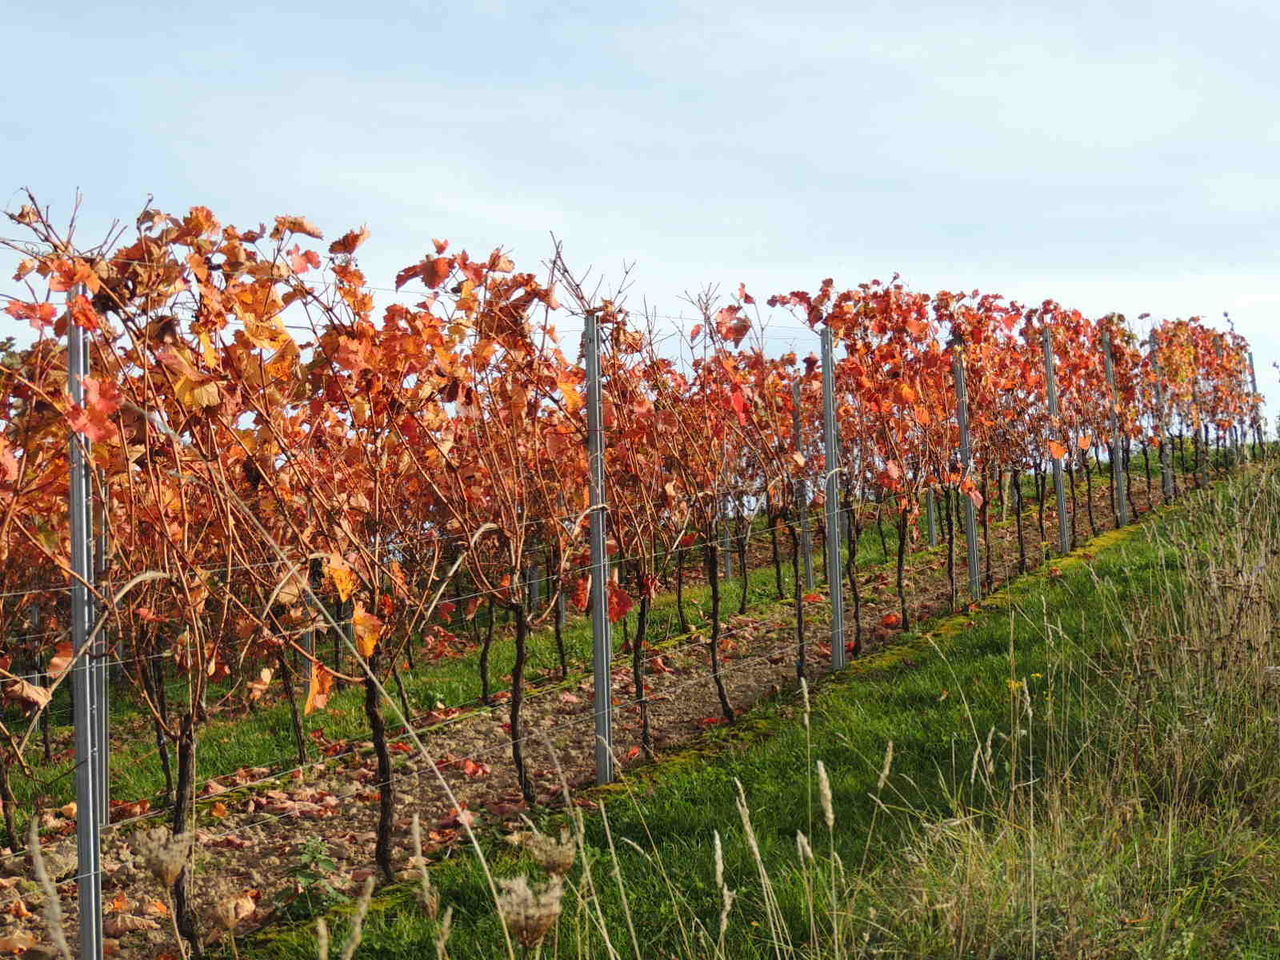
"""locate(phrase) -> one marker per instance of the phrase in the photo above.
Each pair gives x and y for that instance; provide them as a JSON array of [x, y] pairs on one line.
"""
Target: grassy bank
[[1085, 767]]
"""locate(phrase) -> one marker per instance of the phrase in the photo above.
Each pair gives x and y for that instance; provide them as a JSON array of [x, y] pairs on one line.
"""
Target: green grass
[[1052, 790]]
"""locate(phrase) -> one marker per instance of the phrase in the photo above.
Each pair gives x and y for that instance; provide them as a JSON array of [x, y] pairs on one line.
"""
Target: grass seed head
[[162, 852], [802, 845], [530, 911], [552, 855], [884, 770], [824, 794]]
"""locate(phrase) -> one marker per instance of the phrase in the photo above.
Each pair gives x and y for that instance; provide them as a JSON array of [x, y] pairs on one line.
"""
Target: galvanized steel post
[[835, 579], [1258, 434], [1059, 488], [85, 681], [802, 490], [966, 462], [601, 629], [1166, 459], [1118, 475]]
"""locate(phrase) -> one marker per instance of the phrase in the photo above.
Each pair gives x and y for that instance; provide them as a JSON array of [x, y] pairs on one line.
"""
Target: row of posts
[[89, 679], [602, 647]]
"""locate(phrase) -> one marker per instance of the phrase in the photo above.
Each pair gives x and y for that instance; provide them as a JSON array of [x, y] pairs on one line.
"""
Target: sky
[[1115, 156]]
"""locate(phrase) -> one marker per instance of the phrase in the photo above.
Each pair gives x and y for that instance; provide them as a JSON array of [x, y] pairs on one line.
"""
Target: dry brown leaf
[[16, 944], [295, 225], [127, 923]]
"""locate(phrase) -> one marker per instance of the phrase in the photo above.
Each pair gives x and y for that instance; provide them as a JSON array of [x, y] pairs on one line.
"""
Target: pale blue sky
[[1110, 155]]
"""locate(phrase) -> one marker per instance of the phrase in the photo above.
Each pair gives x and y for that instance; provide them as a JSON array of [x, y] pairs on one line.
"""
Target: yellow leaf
[[283, 364], [197, 393], [1057, 450], [266, 334], [368, 627], [339, 573], [208, 350]]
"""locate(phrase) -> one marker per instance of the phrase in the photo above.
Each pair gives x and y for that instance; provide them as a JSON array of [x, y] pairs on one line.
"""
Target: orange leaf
[[61, 660], [320, 690], [349, 241]]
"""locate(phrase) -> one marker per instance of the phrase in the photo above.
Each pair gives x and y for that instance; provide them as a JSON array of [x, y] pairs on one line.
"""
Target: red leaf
[[620, 603], [582, 593], [41, 315]]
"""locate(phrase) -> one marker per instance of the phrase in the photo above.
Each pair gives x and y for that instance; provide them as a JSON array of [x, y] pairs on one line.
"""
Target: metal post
[[101, 666], [84, 677], [931, 511], [726, 548], [1257, 410], [1166, 461], [802, 490], [533, 577], [1117, 446], [602, 647], [1059, 488], [835, 579], [966, 462]]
